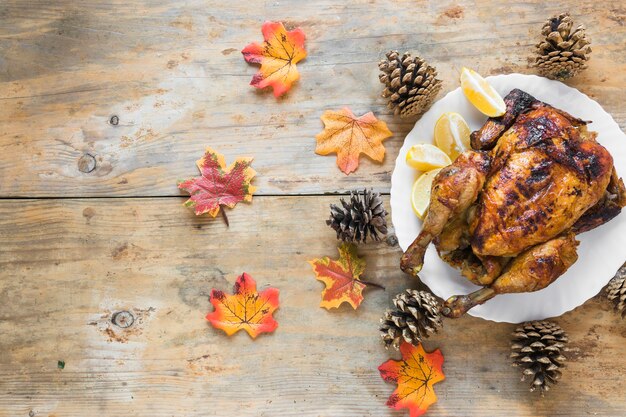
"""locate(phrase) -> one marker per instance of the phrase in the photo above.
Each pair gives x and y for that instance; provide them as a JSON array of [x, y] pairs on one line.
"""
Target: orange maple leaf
[[219, 185], [246, 309], [415, 375], [349, 136], [341, 277], [278, 56]]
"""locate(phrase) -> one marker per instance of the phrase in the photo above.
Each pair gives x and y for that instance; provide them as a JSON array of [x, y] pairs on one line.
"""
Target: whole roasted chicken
[[506, 213]]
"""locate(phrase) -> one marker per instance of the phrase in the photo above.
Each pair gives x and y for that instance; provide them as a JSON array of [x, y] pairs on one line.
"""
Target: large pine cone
[[616, 291], [562, 53], [536, 348], [416, 317], [411, 84], [362, 216]]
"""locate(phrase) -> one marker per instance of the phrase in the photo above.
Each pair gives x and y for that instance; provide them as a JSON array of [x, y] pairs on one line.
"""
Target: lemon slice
[[482, 95], [420, 193], [425, 157], [452, 134]]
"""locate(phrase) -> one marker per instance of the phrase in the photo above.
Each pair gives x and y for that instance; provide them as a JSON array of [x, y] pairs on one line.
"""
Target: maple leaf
[[246, 309], [341, 277], [415, 375], [349, 136], [278, 56], [218, 185]]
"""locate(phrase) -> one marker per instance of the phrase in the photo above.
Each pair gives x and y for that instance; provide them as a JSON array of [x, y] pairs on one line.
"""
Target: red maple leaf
[[342, 277], [218, 185]]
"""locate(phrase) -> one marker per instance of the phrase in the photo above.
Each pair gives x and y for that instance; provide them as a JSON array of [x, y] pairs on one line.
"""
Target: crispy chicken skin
[[516, 102], [506, 214], [549, 174], [607, 208], [532, 270], [481, 270], [454, 190]]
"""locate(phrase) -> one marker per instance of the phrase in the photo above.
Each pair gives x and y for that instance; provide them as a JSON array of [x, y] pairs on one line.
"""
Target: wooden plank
[[69, 264], [173, 75]]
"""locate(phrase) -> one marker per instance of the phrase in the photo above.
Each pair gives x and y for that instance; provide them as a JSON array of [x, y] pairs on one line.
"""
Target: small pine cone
[[416, 317], [537, 349], [362, 216], [616, 291], [563, 52], [411, 84]]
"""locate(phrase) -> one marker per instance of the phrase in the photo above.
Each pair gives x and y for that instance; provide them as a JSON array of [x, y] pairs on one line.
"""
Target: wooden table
[[91, 221]]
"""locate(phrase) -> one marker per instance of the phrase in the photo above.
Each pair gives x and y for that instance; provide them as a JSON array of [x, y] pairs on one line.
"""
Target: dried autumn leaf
[[349, 136], [415, 375], [246, 309], [218, 185], [278, 56], [341, 277]]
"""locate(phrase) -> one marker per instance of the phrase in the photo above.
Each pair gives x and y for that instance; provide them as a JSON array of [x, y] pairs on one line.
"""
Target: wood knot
[[123, 319], [88, 213], [114, 120], [86, 163]]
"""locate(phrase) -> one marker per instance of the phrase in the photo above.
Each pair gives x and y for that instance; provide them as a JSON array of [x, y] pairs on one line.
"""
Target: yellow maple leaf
[[415, 375], [278, 56], [246, 309], [349, 136]]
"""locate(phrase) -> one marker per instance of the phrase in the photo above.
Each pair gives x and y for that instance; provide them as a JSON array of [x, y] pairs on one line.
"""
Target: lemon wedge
[[420, 193], [482, 95], [452, 134], [425, 157]]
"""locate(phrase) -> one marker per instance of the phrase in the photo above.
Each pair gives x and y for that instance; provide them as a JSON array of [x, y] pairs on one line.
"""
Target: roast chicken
[[506, 213]]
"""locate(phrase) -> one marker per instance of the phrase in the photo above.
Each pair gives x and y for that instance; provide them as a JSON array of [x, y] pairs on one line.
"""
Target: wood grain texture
[[68, 265], [91, 221], [173, 74]]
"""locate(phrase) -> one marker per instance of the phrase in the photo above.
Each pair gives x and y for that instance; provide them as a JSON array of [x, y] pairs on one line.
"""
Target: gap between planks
[[127, 197]]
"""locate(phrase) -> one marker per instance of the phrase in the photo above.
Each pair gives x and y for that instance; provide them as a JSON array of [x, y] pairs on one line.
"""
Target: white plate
[[601, 251]]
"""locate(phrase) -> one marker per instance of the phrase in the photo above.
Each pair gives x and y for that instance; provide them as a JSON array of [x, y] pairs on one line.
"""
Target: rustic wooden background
[[91, 221]]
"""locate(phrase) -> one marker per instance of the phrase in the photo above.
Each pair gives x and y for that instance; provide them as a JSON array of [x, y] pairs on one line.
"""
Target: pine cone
[[563, 52], [616, 291], [363, 215], [411, 84], [537, 349], [416, 317]]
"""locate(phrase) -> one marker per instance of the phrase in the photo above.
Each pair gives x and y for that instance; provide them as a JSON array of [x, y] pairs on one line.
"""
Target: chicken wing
[[604, 210], [487, 136]]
